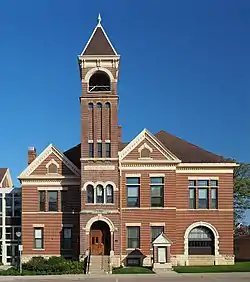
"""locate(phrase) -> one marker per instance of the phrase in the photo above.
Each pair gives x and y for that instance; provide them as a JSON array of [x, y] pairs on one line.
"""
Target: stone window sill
[[38, 249]]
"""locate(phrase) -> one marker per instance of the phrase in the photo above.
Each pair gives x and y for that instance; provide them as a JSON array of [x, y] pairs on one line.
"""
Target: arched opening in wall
[[201, 241], [99, 81], [100, 238]]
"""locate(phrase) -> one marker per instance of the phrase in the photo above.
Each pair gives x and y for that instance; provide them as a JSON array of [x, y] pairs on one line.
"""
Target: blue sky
[[184, 69]]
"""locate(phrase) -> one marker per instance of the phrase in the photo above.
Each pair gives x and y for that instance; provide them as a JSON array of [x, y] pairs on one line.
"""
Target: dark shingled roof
[[183, 150], [74, 155], [187, 152], [2, 173], [99, 44]]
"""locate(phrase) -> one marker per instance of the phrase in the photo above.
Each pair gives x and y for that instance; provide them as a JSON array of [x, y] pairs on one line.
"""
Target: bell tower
[[100, 137], [99, 68]]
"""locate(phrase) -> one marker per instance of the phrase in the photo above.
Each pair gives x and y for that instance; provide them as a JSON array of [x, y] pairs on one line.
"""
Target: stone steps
[[99, 264]]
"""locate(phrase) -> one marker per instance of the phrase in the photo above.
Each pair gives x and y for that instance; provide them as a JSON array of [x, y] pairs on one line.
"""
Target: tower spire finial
[[99, 19]]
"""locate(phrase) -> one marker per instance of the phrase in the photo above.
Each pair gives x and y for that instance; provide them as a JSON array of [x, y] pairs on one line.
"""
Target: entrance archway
[[100, 238], [201, 241]]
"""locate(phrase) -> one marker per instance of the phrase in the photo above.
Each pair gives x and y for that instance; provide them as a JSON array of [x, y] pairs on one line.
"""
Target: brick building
[[156, 199]]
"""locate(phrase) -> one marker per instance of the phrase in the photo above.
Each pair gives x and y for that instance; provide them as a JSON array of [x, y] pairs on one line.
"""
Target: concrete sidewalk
[[87, 276]]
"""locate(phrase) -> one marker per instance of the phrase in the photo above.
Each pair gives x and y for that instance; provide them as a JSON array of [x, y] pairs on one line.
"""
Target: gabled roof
[[187, 152], [5, 174], [183, 150], [43, 156], [99, 43], [2, 173], [162, 239], [74, 154]]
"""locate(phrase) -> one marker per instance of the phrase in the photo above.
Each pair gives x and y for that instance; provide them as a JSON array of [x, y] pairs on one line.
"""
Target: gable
[[5, 178], [162, 240], [145, 141], [51, 155]]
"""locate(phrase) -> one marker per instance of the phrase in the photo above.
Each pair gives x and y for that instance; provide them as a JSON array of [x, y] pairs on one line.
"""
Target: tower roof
[[99, 43]]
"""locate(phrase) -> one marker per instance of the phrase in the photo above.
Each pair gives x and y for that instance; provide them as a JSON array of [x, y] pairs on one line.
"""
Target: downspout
[[120, 195]]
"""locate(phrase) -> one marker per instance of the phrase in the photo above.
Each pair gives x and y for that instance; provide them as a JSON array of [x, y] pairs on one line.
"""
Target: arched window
[[99, 194], [91, 105], [201, 241], [109, 194], [52, 168], [99, 81], [107, 105], [145, 153], [99, 105], [90, 194]]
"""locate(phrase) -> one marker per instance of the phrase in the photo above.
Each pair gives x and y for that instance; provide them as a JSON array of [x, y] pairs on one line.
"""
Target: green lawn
[[132, 270], [237, 267]]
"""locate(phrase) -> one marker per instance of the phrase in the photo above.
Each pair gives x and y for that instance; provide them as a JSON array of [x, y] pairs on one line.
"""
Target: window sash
[[91, 150], [109, 194], [214, 198], [192, 198], [203, 198], [38, 238], [133, 180], [133, 196], [67, 238], [42, 201], [108, 150], [52, 200], [157, 196], [133, 237], [90, 194], [99, 149]]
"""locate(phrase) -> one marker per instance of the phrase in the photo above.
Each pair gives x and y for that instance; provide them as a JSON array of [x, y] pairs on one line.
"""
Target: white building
[[10, 218]]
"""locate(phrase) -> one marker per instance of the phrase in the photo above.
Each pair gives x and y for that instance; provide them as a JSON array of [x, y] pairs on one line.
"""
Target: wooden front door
[[96, 245]]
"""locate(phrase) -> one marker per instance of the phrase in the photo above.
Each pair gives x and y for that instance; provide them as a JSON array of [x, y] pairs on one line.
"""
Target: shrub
[[53, 265]]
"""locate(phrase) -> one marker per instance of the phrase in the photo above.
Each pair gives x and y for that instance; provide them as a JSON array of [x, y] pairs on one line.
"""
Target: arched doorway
[[100, 238], [201, 241]]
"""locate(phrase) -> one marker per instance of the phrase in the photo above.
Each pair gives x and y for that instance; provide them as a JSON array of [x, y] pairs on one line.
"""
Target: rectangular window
[[42, 201], [192, 198], [99, 149], [67, 238], [38, 238], [133, 237], [9, 204], [157, 191], [156, 231], [53, 200], [91, 150], [108, 150], [133, 191], [63, 200], [214, 198], [202, 198]]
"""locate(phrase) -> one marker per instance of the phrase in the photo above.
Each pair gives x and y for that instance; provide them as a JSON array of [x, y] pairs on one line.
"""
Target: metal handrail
[[88, 261]]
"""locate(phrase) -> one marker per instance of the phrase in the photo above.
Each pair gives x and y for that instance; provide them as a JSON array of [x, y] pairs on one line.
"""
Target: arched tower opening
[[99, 82]]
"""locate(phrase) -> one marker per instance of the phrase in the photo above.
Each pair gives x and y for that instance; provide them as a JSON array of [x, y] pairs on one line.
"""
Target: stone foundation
[[224, 260], [184, 260]]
